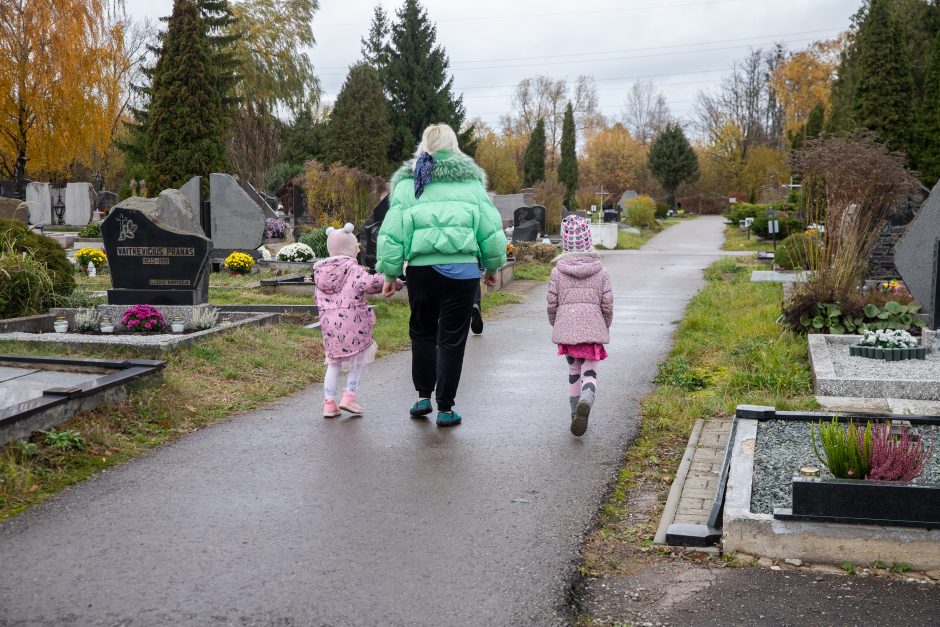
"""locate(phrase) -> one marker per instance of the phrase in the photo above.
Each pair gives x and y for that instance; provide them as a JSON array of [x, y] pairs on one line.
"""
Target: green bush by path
[[793, 253], [641, 211], [47, 252]]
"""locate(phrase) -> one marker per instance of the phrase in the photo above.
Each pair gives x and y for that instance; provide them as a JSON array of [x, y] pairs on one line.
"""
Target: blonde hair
[[437, 137]]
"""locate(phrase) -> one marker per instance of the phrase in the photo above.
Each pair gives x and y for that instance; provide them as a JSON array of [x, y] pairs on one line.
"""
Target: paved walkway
[[279, 516]]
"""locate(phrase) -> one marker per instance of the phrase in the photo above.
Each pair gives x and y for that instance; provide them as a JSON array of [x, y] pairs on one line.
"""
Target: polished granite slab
[[22, 384]]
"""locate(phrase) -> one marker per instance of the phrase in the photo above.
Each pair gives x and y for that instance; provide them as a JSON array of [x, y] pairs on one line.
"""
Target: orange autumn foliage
[[59, 90], [802, 80]]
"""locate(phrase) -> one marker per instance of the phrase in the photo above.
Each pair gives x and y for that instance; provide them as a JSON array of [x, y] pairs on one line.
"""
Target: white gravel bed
[[847, 367], [783, 446]]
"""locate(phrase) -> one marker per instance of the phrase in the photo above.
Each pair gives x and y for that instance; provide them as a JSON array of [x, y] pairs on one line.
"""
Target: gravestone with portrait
[[524, 214], [157, 253]]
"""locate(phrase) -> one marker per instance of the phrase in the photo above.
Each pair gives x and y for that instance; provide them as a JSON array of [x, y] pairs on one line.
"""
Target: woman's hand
[[388, 288], [489, 279]]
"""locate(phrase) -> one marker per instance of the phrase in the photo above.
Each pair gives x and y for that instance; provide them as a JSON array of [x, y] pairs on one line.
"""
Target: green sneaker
[[421, 408], [448, 419]]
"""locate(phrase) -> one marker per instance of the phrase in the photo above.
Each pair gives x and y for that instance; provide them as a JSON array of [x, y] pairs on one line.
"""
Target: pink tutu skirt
[[594, 352]]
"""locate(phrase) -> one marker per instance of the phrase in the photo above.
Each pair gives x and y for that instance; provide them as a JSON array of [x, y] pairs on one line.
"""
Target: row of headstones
[[80, 200]]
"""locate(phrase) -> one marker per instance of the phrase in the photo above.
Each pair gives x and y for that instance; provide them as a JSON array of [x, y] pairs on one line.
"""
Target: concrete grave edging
[[828, 543]]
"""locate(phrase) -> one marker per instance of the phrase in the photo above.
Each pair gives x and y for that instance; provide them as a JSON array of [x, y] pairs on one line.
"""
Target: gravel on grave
[[847, 367], [783, 446]]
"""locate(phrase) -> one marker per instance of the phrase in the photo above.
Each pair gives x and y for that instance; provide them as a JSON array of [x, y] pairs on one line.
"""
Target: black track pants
[[439, 325]]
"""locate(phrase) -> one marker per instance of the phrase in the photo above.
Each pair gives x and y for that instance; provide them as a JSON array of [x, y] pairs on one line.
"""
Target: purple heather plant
[[274, 228], [897, 458], [143, 318]]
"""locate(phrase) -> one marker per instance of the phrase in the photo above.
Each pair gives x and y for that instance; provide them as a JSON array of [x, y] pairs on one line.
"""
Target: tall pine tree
[[927, 150], [885, 90], [187, 119], [533, 161], [374, 48], [672, 161], [416, 83], [359, 131], [568, 166]]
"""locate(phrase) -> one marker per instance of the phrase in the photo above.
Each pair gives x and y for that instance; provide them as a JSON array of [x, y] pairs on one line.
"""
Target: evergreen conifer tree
[[568, 166], [416, 83], [672, 161], [217, 17], [186, 121], [927, 150], [375, 47], [533, 161], [359, 131], [884, 93], [815, 121]]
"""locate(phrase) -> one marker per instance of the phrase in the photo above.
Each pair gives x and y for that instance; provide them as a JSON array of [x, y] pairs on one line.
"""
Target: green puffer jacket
[[454, 221]]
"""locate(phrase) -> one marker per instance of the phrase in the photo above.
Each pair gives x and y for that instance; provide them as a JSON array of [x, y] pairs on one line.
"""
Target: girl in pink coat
[[346, 319], [580, 310]]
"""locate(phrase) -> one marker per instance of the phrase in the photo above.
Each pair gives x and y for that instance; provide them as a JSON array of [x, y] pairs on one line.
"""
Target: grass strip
[[632, 241], [736, 239], [728, 350], [202, 383]]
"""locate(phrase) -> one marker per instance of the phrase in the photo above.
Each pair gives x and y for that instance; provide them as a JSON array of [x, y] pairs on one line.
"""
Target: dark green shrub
[[788, 226], [25, 282], [661, 210], [316, 240], [793, 253], [43, 249]]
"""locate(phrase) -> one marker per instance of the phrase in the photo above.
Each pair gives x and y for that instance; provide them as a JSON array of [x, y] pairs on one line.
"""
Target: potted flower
[[510, 251], [295, 252], [274, 229], [239, 263], [143, 319], [888, 344], [87, 255]]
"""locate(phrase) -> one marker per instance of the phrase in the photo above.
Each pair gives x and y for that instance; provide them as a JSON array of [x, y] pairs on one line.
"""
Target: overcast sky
[[683, 46]]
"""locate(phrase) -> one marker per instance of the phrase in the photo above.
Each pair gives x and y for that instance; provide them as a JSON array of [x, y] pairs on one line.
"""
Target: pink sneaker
[[330, 410], [349, 403]]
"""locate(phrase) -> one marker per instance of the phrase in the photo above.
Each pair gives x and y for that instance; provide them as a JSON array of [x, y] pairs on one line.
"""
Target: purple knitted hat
[[575, 235]]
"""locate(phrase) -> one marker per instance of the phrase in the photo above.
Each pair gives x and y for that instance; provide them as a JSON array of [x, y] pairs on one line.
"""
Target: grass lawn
[[629, 241], [532, 271], [201, 384], [728, 350], [736, 239]]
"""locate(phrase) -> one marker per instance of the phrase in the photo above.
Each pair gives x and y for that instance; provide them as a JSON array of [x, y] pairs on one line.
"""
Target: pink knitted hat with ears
[[575, 235], [342, 241]]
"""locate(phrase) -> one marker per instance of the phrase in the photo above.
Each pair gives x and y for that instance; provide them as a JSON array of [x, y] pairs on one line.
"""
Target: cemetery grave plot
[[40, 392], [838, 373], [772, 511]]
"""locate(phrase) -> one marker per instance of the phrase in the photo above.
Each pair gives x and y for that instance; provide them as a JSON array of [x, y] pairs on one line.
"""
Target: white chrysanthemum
[[295, 252]]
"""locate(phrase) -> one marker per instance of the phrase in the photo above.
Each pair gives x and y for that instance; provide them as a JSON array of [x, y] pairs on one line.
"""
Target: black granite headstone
[[527, 231], [524, 214], [298, 202], [611, 216], [153, 264], [8, 189], [369, 234]]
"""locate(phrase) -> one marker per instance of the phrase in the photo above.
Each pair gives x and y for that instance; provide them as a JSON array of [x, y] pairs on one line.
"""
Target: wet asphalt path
[[278, 516]]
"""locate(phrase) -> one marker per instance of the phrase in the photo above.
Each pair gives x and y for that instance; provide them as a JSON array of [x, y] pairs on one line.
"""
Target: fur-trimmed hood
[[448, 166]]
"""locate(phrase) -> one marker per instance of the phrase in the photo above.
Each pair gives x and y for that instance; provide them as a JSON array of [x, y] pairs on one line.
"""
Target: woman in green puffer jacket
[[443, 226]]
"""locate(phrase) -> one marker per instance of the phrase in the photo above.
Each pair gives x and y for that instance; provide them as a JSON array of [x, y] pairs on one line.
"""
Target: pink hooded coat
[[346, 320], [580, 300]]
